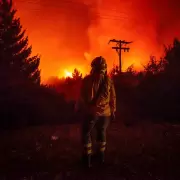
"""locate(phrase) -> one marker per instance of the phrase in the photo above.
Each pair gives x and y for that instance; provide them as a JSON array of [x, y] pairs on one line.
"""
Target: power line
[[64, 1], [119, 47], [98, 15]]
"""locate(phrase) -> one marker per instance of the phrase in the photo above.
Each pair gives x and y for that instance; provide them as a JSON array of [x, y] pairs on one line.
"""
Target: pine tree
[[15, 53], [77, 75]]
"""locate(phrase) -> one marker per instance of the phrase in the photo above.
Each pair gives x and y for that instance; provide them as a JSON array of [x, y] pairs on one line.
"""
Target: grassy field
[[144, 151]]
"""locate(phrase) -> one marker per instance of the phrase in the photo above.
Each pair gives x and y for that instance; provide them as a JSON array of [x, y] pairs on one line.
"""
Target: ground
[[144, 151]]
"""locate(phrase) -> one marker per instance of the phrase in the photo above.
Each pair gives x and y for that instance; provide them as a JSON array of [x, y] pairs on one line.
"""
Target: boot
[[87, 160]]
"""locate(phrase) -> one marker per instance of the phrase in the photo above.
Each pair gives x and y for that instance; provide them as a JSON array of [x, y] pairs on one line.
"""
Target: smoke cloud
[[69, 33]]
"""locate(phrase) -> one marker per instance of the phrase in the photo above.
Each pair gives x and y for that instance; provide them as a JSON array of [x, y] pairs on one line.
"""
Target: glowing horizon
[[71, 34]]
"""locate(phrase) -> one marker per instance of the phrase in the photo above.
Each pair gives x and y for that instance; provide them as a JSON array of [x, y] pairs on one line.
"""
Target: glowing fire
[[67, 73]]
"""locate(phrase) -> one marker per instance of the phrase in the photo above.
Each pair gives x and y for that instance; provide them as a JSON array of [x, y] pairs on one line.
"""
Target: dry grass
[[143, 152]]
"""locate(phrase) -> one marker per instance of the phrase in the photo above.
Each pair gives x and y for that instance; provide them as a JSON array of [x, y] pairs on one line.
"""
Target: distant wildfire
[[69, 33]]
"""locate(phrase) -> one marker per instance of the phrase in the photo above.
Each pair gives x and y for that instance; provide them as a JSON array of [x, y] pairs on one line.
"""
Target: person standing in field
[[98, 100]]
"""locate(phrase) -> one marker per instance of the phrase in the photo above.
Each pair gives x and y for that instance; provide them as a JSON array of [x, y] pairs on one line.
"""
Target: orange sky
[[69, 33]]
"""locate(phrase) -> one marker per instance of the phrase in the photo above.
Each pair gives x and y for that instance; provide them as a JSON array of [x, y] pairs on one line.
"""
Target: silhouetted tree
[[15, 54], [154, 66], [77, 75], [114, 71], [130, 70], [172, 56]]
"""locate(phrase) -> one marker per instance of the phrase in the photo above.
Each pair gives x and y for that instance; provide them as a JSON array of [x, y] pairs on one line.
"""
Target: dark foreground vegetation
[[146, 151], [143, 142]]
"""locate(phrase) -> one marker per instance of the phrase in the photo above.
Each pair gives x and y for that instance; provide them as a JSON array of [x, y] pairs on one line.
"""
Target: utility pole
[[120, 45]]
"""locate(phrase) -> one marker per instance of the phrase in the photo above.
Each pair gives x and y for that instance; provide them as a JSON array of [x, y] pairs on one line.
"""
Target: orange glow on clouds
[[68, 34]]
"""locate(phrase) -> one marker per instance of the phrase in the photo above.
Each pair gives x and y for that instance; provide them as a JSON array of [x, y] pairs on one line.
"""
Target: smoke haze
[[69, 33]]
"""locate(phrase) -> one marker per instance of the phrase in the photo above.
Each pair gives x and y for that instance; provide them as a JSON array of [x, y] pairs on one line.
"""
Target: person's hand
[[113, 116]]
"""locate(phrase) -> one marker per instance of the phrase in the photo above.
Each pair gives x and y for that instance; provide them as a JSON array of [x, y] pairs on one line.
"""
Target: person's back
[[98, 99], [106, 102]]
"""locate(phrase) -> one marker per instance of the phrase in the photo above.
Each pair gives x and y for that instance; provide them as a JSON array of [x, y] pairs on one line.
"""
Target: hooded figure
[[98, 100]]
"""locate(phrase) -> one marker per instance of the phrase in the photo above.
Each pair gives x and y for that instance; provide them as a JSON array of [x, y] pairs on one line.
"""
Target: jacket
[[106, 101]]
